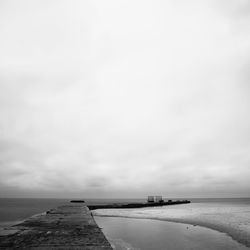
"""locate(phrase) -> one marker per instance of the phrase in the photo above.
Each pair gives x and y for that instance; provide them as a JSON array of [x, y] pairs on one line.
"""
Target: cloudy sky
[[124, 98]]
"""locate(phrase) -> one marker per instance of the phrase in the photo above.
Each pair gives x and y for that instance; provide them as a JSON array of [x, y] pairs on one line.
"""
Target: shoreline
[[217, 228]]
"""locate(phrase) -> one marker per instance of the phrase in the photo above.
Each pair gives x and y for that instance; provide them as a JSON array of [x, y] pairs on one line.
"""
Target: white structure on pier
[[157, 198]]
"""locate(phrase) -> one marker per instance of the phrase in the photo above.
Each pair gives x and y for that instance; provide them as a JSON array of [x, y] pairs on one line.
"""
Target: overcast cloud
[[124, 98]]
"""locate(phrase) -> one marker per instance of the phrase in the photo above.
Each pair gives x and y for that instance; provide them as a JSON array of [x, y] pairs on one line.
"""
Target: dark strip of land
[[137, 205], [66, 227]]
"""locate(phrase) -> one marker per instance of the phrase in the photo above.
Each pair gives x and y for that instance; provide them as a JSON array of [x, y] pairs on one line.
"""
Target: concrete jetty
[[66, 227], [138, 205]]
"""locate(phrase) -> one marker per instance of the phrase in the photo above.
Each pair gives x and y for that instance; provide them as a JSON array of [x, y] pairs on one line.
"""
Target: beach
[[231, 218], [147, 234]]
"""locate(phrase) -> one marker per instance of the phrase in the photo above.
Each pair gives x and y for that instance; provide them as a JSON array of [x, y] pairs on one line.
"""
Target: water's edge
[[190, 222]]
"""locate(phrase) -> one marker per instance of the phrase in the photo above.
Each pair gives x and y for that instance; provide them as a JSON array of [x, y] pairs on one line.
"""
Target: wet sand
[[234, 220], [146, 234]]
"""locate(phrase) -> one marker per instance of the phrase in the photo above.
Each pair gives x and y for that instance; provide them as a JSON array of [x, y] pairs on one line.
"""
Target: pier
[[66, 227], [138, 205]]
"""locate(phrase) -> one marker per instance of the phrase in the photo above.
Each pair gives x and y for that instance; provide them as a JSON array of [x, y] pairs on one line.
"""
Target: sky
[[119, 99]]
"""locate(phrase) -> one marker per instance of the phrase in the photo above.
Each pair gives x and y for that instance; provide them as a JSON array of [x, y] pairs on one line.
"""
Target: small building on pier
[[157, 198]]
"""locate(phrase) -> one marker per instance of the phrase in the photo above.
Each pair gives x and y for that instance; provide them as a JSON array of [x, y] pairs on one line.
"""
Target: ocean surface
[[217, 223]]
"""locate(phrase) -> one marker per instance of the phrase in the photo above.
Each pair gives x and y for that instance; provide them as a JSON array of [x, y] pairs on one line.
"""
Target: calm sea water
[[12, 210]]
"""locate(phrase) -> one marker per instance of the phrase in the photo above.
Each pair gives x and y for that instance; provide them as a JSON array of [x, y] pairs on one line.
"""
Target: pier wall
[[66, 227]]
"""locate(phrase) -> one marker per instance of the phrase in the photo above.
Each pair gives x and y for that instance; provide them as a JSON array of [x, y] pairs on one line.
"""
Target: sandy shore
[[232, 220], [148, 234]]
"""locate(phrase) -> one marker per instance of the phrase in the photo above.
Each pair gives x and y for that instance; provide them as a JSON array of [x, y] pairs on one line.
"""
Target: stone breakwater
[[137, 205], [66, 227]]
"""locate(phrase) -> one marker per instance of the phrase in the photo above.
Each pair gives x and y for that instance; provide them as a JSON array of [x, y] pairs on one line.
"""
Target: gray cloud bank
[[124, 98]]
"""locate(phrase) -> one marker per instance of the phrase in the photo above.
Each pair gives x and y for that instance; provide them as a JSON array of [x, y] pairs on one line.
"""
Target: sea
[[221, 223]]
